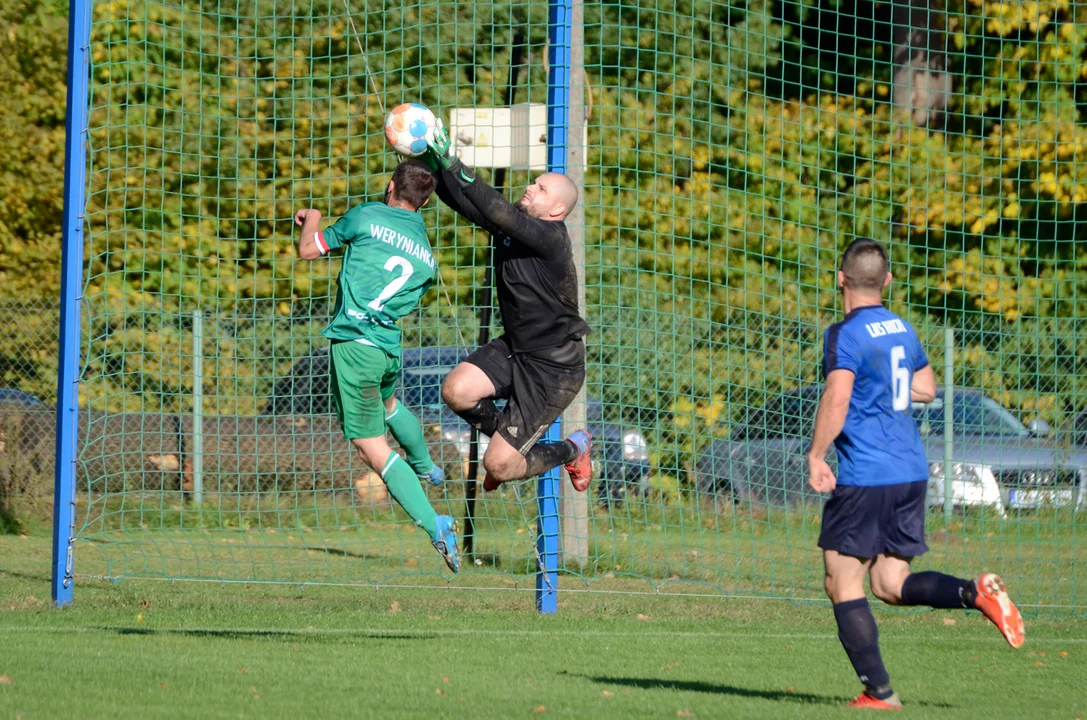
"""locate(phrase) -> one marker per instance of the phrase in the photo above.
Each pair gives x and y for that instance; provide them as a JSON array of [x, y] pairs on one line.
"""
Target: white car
[[996, 460]]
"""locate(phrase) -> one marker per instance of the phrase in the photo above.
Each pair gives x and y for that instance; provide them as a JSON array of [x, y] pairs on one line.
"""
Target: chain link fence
[[28, 386], [258, 368]]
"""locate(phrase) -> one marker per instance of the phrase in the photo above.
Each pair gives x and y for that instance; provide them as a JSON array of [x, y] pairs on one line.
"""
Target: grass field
[[155, 649], [644, 545]]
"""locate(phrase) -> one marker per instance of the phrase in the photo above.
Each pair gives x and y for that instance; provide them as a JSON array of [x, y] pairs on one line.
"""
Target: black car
[[620, 454], [998, 462]]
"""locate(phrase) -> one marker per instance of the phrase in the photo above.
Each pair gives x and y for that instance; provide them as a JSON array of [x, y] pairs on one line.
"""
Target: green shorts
[[362, 378]]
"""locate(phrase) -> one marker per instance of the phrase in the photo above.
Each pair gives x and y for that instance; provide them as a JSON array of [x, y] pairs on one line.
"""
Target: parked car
[[12, 396], [998, 462], [1079, 429], [620, 456]]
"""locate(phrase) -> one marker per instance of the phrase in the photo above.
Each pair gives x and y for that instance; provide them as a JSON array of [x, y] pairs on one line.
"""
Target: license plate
[[1035, 497]]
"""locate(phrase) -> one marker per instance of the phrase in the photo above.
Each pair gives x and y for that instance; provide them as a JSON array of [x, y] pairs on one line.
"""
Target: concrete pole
[[575, 505]]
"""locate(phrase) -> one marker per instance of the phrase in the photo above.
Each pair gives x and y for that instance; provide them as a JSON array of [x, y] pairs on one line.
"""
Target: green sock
[[405, 427], [404, 486]]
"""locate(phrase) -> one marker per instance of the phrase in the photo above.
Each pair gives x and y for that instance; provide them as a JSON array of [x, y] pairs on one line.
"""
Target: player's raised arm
[[450, 192], [453, 178], [534, 222], [310, 222]]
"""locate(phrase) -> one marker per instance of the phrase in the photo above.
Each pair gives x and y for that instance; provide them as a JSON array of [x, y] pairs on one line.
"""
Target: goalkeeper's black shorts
[[538, 386]]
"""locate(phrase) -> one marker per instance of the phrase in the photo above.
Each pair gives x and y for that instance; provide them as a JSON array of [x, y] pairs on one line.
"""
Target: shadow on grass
[[719, 689], [34, 577], [265, 634], [343, 553]]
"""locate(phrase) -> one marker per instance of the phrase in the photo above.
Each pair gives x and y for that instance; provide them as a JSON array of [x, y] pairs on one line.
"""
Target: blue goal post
[[71, 284]]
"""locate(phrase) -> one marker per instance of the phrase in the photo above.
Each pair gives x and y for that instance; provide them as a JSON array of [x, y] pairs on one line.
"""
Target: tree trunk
[[922, 85]]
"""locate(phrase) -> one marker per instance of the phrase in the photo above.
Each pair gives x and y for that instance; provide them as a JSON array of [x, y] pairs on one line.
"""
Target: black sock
[[541, 457], [860, 638], [483, 416], [938, 590]]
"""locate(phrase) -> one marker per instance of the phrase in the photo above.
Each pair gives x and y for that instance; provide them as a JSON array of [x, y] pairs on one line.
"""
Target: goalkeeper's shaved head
[[564, 190], [865, 266], [551, 196]]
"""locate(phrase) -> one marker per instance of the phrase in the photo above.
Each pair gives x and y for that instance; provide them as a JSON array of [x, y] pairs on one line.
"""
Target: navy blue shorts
[[869, 521]]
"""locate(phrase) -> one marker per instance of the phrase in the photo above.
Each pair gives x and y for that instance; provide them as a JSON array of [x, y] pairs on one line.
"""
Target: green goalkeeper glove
[[441, 152], [441, 147]]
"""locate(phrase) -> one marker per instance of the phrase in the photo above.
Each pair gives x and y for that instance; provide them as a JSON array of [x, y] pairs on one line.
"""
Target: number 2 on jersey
[[900, 378], [397, 282]]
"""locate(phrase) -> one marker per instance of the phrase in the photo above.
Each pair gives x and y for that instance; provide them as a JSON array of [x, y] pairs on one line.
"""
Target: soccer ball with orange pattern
[[408, 127]]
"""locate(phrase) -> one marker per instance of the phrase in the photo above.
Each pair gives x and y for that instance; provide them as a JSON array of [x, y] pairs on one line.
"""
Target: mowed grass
[[642, 544], [154, 649]]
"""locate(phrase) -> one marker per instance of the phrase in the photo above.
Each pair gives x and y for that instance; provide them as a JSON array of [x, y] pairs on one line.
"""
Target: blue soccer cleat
[[445, 541], [436, 476]]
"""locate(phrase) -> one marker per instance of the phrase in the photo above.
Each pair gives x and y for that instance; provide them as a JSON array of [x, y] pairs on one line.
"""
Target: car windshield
[[972, 414], [789, 416], [792, 416]]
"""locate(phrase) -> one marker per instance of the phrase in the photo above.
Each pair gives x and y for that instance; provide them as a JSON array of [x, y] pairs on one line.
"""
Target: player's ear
[[425, 203], [841, 279], [887, 280], [559, 210]]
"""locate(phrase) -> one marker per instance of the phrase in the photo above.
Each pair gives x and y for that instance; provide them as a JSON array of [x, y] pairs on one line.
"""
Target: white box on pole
[[512, 137]]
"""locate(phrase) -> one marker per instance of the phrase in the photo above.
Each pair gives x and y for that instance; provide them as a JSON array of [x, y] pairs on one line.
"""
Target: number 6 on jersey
[[900, 378]]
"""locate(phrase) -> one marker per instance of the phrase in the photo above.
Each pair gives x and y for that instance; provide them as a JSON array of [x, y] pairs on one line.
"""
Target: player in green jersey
[[388, 266]]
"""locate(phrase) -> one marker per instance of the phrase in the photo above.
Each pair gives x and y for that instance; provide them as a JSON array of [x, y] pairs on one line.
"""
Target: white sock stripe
[[388, 464], [391, 415]]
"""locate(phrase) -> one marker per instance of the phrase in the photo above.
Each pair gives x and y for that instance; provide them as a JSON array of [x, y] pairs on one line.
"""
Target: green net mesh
[[734, 148]]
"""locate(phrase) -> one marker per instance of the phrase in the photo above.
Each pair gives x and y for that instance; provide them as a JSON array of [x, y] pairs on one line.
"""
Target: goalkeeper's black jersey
[[534, 267]]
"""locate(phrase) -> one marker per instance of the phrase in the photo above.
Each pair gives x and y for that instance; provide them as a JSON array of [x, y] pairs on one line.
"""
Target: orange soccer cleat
[[993, 601], [580, 468], [864, 701]]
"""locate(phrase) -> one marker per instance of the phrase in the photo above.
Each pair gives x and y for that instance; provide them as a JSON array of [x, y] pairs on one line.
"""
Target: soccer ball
[[408, 128]]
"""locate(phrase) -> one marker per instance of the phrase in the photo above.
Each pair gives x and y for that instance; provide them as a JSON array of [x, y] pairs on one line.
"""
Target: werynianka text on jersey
[[401, 242]]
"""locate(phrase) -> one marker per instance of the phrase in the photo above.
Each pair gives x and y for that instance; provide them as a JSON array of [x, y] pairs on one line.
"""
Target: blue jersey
[[879, 444]]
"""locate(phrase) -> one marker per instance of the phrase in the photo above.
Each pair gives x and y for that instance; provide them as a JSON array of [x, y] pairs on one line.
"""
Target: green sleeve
[[346, 230]]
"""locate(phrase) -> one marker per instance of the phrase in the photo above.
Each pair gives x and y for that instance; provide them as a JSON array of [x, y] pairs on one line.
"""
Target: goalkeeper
[[538, 365], [388, 266]]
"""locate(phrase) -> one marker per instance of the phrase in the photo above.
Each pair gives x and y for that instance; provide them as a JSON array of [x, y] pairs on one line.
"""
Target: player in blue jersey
[[874, 521]]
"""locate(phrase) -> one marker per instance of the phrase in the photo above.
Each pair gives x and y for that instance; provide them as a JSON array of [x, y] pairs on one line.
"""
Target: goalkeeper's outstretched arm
[[451, 193], [460, 189]]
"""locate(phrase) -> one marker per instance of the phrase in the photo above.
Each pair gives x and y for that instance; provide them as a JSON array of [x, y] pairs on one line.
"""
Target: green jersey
[[387, 268]]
